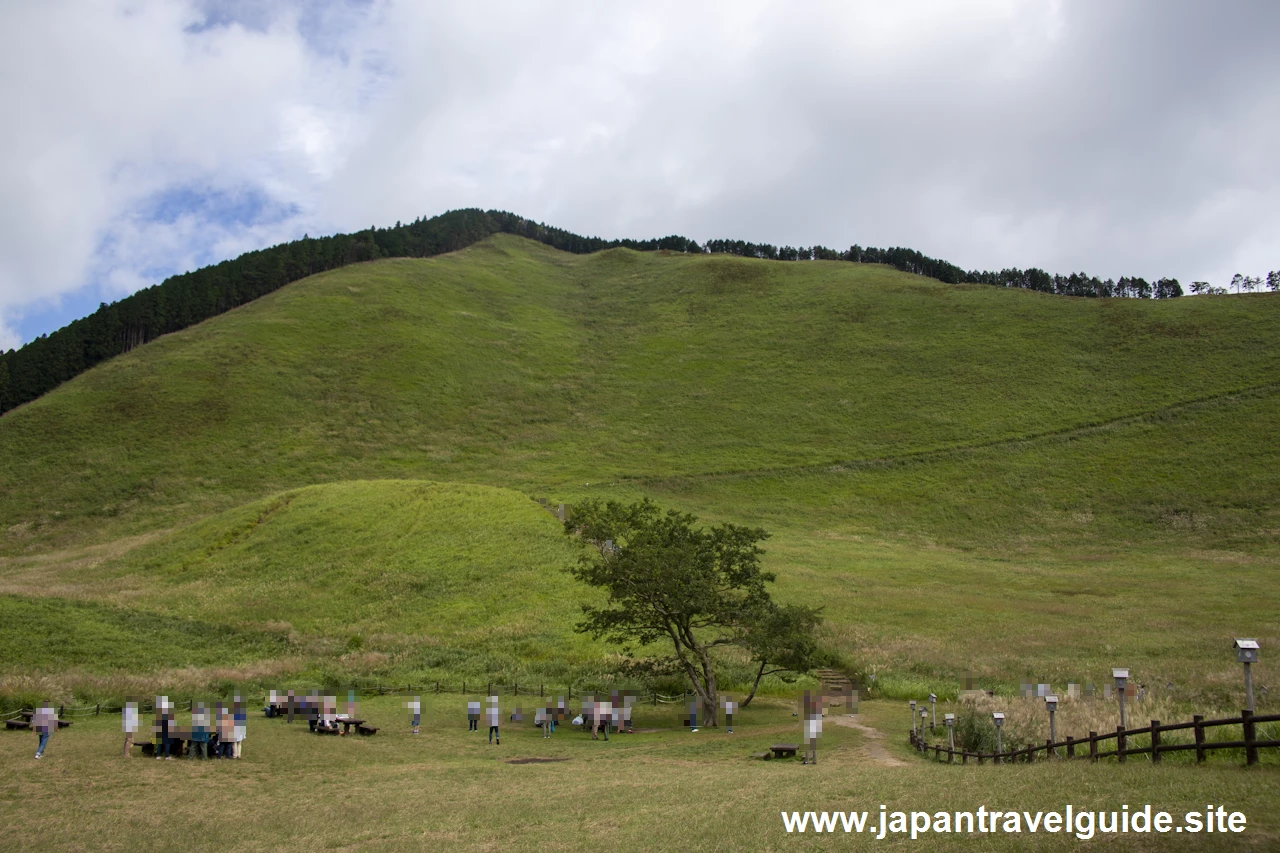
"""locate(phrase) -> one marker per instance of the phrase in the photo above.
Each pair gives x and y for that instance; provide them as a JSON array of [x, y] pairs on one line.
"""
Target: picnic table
[[25, 722], [348, 722], [784, 750]]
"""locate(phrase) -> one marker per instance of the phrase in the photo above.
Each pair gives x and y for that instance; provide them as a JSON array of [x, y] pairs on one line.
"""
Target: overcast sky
[[150, 137]]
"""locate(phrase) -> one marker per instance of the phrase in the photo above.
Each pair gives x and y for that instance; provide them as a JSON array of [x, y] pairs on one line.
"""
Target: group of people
[[597, 715], [217, 732], [320, 712]]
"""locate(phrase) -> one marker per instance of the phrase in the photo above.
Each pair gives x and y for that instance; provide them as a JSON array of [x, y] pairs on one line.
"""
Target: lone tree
[[784, 640], [670, 582]]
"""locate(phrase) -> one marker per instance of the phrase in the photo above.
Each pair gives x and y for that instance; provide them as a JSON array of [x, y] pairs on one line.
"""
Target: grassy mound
[[367, 574]]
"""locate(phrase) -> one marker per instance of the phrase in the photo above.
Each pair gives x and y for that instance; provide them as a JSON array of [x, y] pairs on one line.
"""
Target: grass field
[[663, 789], [334, 484]]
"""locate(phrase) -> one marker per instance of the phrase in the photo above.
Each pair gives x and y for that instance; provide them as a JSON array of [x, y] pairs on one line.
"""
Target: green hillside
[[940, 464]]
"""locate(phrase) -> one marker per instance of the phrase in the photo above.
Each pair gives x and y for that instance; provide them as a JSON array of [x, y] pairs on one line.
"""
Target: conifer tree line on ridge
[[184, 300]]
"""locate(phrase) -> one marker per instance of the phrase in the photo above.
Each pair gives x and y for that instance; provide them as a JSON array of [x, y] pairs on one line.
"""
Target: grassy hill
[[968, 477]]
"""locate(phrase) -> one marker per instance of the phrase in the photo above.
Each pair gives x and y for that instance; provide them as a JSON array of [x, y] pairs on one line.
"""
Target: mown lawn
[[449, 789]]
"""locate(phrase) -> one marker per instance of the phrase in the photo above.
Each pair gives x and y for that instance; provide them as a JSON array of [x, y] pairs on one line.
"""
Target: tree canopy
[[689, 589]]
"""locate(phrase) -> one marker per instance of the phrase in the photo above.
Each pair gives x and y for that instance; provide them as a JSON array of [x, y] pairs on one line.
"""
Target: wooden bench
[[784, 750], [367, 730], [26, 724]]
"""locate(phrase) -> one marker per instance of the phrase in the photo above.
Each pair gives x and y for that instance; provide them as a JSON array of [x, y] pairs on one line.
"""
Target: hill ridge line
[[927, 455]]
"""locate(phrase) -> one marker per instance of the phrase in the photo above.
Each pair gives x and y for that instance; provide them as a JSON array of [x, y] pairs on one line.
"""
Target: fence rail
[[464, 687], [515, 689], [1248, 722]]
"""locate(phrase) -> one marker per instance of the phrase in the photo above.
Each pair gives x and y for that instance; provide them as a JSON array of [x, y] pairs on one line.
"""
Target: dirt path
[[873, 748]]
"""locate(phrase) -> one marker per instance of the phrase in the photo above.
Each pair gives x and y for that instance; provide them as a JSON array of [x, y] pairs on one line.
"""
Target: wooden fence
[[542, 690], [1090, 747]]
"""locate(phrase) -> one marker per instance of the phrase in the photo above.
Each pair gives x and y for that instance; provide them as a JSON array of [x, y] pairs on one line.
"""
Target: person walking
[[130, 723], [44, 721]]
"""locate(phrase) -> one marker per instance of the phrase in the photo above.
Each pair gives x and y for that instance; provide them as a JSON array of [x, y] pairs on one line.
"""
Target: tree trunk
[[710, 709], [754, 687]]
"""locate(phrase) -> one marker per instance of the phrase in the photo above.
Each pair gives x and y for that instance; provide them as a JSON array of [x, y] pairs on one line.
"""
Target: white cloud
[[1116, 138]]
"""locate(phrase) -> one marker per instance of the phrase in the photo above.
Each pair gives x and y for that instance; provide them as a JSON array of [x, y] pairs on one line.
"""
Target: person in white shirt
[[603, 716], [494, 715], [415, 712], [130, 716], [730, 707], [812, 726]]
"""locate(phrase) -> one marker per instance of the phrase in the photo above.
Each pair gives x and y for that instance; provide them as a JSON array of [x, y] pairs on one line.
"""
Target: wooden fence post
[[1048, 748], [97, 710], [1198, 719], [1121, 744], [1071, 747], [1250, 748], [1155, 741], [1093, 747]]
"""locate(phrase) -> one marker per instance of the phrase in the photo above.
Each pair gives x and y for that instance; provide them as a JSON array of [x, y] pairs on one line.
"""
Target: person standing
[[200, 732], [240, 725], [473, 716], [729, 707], [44, 721], [415, 713], [812, 726], [495, 716], [227, 732], [603, 716], [162, 728], [130, 716]]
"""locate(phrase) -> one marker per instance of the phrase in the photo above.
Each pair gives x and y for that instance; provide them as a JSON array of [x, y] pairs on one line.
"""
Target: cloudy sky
[[148, 137]]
